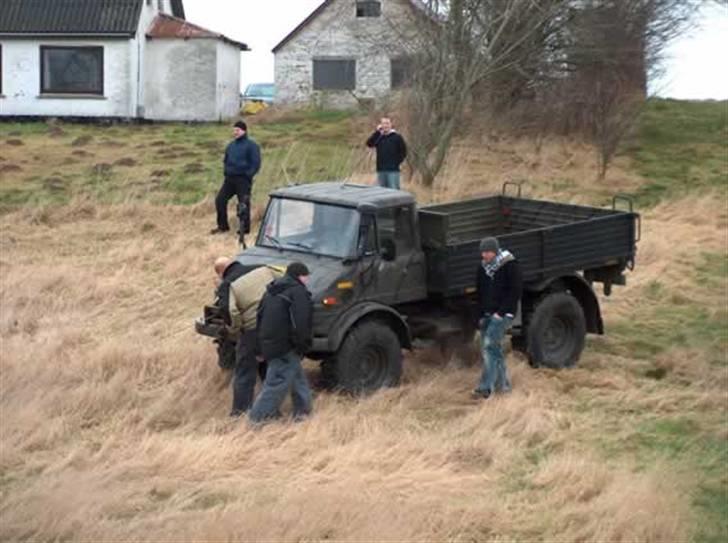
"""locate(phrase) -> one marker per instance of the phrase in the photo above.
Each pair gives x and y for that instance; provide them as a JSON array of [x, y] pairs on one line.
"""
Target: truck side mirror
[[389, 250]]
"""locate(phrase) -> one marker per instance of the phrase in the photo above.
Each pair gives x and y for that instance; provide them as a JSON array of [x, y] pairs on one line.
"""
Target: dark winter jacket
[[222, 294], [391, 150], [285, 316], [501, 293], [242, 158]]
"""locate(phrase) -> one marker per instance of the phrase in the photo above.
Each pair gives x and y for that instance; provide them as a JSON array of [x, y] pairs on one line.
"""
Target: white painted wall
[[21, 81], [180, 80], [228, 80]]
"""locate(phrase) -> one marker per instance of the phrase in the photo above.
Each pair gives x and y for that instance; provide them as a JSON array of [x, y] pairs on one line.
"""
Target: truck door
[[401, 268]]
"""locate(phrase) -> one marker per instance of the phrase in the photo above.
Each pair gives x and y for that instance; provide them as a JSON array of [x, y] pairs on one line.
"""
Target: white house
[[347, 51], [115, 59]]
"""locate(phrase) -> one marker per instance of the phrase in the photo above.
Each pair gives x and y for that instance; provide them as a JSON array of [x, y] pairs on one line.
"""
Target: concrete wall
[[180, 80], [337, 32], [228, 80], [21, 81]]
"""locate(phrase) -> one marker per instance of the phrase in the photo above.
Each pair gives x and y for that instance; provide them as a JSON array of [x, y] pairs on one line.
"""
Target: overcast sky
[[696, 67]]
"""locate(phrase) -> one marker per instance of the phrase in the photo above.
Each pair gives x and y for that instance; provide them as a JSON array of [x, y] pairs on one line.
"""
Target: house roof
[[416, 4], [117, 17], [167, 26]]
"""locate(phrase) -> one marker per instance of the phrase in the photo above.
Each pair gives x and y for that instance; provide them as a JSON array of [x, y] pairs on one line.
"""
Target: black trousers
[[234, 185], [247, 370]]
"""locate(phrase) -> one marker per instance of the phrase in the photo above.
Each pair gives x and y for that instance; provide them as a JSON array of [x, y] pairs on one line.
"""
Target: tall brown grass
[[114, 427]]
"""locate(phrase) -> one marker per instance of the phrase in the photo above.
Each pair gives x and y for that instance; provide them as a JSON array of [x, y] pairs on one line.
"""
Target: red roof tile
[[166, 26]]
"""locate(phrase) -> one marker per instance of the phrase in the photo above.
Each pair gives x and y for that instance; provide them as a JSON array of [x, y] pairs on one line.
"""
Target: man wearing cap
[[241, 162], [499, 291], [285, 315]]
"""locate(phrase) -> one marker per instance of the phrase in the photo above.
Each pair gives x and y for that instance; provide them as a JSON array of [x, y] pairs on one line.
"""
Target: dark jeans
[[233, 185], [495, 373], [245, 373], [284, 374]]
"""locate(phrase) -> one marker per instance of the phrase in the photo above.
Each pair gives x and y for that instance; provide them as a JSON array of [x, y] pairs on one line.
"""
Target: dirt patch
[[102, 168], [113, 143], [160, 173], [54, 184], [81, 153], [70, 160], [81, 141], [194, 167], [56, 132], [158, 143], [15, 142], [5, 168], [126, 161]]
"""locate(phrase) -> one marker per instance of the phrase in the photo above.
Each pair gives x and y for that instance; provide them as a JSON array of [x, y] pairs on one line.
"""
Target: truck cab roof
[[346, 194]]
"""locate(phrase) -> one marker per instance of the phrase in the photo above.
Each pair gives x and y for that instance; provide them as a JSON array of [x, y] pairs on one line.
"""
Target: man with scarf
[[499, 291]]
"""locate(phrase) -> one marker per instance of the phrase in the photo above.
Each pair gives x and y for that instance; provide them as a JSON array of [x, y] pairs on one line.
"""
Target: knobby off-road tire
[[370, 358], [557, 332]]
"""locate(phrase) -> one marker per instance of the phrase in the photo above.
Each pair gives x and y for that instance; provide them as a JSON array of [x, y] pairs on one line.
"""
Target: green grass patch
[[680, 147], [168, 163]]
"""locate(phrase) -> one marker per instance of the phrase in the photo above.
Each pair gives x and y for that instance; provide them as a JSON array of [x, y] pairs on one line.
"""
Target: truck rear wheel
[[369, 358], [557, 332]]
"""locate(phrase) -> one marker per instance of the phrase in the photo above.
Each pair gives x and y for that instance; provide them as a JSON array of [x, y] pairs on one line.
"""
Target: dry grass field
[[113, 413]]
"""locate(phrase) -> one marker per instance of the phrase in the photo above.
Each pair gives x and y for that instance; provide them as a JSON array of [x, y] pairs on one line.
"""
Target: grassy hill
[[113, 412]]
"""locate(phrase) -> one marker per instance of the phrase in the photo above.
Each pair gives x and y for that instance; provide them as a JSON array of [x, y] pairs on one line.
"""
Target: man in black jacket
[[242, 162], [391, 152], [285, 316], [499, 291]]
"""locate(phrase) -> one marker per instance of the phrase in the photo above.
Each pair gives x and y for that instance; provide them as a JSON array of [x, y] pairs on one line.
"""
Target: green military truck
[[386, 272]]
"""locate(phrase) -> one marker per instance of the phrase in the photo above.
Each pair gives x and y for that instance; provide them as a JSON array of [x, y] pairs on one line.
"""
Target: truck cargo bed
[[548, 238]]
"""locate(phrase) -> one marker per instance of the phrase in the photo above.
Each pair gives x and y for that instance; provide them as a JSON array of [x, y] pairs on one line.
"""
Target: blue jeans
[[495, 373], [284, 374], [389, 180]]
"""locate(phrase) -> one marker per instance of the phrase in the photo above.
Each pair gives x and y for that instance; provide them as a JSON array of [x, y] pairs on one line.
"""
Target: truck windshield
[[310, 227]]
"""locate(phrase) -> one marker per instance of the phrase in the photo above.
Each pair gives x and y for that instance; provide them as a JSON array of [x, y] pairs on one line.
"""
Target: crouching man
[[244, 295], [284, 335]]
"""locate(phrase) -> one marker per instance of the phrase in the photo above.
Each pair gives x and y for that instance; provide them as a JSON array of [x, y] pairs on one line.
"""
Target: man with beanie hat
[[499, 291], [241, 163], [285, 316]]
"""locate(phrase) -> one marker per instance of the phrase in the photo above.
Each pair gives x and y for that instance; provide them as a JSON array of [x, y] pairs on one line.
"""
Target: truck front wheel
[[557, 332], [369, 358]]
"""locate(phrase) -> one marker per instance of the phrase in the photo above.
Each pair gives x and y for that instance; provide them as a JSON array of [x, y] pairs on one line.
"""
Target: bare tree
[[463, 43]]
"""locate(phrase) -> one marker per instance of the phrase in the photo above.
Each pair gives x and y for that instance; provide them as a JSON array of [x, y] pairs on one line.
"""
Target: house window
[[72, 70], [402, 68], [368, 8], [330, 74]]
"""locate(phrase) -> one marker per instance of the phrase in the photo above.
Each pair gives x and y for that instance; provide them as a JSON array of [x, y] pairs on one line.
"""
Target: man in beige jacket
[[244, 296]]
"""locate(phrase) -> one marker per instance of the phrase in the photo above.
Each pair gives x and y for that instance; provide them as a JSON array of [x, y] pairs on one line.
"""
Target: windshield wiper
[[306, 246], [274, 240]]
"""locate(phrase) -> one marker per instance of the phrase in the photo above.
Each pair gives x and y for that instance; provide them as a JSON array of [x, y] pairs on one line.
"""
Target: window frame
[[363, 8], [97, 49], [406, 68], [1, 69], [316, 83]]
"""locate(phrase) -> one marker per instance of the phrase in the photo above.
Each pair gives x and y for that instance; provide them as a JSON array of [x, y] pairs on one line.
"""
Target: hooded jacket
[[285, 316]]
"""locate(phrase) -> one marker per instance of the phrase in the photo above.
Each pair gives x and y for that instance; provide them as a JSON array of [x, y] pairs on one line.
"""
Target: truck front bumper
[[210, 329]]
